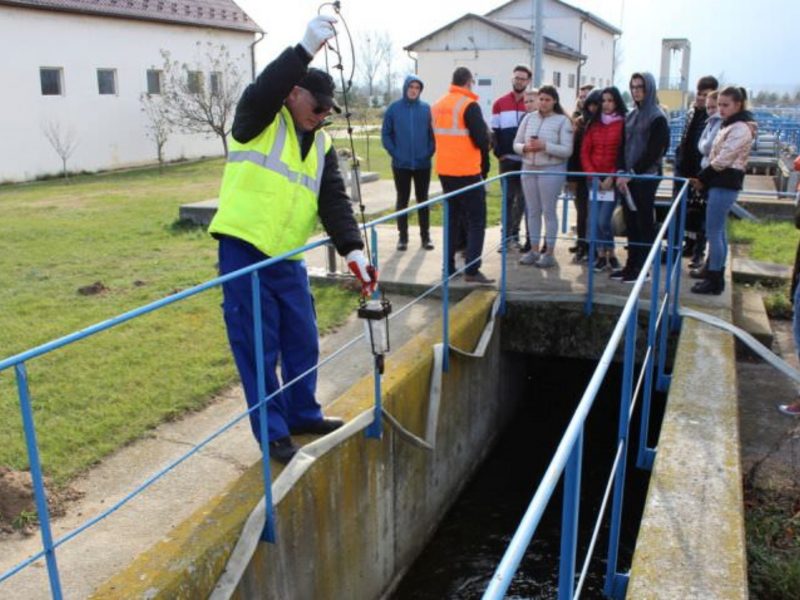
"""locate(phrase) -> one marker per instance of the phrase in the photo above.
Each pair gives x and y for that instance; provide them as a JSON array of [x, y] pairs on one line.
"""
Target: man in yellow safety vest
[[282, 173]]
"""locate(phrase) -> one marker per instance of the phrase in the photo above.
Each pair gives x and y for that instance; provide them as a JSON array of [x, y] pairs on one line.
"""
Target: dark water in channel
[[467, 546]]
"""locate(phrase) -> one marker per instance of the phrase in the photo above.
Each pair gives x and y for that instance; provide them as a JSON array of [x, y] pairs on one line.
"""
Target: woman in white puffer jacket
[[544, 139]]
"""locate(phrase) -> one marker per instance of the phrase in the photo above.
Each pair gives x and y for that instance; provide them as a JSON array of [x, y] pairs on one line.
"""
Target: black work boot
[[700, 272], [713, 284]]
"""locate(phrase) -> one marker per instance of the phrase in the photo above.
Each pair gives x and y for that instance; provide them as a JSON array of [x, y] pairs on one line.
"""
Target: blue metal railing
[[18, 363], [568, 455]]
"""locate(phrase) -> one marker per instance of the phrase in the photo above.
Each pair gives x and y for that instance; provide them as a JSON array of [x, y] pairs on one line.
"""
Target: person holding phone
[[544, 139]]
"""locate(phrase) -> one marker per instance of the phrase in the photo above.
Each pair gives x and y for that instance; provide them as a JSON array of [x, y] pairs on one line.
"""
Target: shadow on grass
[[182, 226]]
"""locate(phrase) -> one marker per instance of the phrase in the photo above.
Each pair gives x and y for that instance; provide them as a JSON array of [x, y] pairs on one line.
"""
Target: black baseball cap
[[321, 86]]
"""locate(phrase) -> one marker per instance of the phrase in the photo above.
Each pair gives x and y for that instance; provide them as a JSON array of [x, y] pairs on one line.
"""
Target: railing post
[[268, 534], [38, 480], [446, 284], [674, 320], [616, 583], [645, 455], [569, 520], [592, 246], [375, 429], [504, 243]]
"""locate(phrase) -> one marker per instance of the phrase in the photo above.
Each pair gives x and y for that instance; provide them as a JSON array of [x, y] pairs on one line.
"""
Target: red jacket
[[601, 145]]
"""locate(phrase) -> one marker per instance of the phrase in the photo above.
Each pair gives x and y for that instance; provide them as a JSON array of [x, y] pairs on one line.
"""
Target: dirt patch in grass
[[18, 506]]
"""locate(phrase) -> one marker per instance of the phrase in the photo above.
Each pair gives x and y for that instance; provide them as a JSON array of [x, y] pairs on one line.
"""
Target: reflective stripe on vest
[[454, 130], [273, 162], [269, 192], [456, 152]]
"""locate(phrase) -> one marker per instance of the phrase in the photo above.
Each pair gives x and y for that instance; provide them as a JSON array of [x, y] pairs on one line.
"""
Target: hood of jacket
[[640, 119], [409, 80]]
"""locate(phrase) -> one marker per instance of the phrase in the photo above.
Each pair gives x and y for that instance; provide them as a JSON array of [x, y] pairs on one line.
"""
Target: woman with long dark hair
[[600, 153], [588, 111], [723, 177], [544, 139]]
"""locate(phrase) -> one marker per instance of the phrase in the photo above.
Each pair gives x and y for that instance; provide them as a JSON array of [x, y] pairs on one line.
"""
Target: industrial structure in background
[[673, 92]]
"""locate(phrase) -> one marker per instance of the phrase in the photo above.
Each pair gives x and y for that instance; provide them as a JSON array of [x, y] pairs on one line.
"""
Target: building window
[[583, 79], [195, 82], [594, 80], [608, 83], [154, 82], [557, 78], [52, 80], [216, 82], [571, 80], [107, 82]]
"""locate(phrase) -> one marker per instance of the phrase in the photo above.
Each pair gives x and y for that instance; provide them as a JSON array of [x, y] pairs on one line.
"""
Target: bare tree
[[158, 124], [375, 49], [198, 106], [63, 141]]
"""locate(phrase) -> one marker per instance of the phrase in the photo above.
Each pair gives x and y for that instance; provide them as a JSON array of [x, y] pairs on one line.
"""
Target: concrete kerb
[[691, 542], [190, 561]]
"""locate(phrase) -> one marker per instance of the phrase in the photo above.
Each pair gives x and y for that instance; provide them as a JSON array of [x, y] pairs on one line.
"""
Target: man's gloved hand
[[319, 30], [365, 272]]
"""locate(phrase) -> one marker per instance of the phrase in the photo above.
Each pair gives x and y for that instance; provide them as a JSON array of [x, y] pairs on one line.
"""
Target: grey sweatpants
[[541, 199]]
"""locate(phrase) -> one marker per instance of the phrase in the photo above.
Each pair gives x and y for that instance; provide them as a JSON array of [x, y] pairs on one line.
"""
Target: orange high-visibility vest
[[456, 153]]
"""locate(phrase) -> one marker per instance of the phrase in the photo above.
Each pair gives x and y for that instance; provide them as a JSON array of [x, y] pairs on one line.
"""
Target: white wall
[[110, 129]]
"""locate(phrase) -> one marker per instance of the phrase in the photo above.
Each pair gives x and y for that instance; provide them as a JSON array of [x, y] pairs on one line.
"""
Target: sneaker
[[792, 410], [427, 244], [601, 264], [530, 258], [402, 245], [479, 278], [545, 261], [282, 450], [619, 274], [632, 276], [613, 263]]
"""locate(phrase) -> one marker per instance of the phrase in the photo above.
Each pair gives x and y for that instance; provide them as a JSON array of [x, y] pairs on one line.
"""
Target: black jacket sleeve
[[263, 99], [479, 133], [335, 210], [657, 143]]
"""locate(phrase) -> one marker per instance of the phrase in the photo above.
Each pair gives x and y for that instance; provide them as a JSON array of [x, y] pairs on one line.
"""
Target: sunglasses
[[320, 110]]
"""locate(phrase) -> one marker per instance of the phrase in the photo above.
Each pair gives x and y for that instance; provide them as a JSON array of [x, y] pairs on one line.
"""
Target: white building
[[578, 49], [83, 66]]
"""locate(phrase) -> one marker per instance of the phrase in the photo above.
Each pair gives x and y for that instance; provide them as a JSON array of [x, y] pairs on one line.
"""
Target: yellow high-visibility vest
[[268, 196]]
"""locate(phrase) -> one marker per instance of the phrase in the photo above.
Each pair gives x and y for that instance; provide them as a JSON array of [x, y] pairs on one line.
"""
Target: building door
[[483, 88]]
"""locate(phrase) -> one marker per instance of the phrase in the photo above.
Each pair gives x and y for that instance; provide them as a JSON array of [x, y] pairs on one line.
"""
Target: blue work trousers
[[289, 329]]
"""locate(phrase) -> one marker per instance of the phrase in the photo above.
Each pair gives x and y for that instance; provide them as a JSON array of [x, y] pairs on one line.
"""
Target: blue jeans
[[289, 330], [719, 204], [604, 211]]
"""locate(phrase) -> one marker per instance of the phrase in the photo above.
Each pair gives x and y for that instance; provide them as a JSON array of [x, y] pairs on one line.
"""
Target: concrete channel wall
[[359, 515], [361, 512]]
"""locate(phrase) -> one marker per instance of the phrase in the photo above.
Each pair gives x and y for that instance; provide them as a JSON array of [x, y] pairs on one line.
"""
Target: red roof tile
[[219, 14]]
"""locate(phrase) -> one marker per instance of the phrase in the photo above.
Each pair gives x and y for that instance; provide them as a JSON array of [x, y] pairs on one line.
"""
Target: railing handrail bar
[[527, 527]]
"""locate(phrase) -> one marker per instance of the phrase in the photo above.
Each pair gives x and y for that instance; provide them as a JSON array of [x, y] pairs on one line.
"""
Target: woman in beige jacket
[[544, 139], [723, 177]]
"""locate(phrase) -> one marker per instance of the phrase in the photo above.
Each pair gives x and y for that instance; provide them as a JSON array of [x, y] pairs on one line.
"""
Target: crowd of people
[[530, 131]]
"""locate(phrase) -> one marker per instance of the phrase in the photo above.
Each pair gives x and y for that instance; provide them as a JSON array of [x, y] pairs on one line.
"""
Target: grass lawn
[[105, 391], [770, 241]]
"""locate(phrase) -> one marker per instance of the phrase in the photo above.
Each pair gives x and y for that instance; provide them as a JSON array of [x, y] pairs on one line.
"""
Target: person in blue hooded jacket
[[407, 135]]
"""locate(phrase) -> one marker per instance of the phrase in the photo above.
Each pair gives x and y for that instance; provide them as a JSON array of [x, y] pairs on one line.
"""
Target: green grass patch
[[120, 230], [769, 241], [773, 544]]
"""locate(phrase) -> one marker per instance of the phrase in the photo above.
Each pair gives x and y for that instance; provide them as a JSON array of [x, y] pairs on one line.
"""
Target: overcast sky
[[750, 43]]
